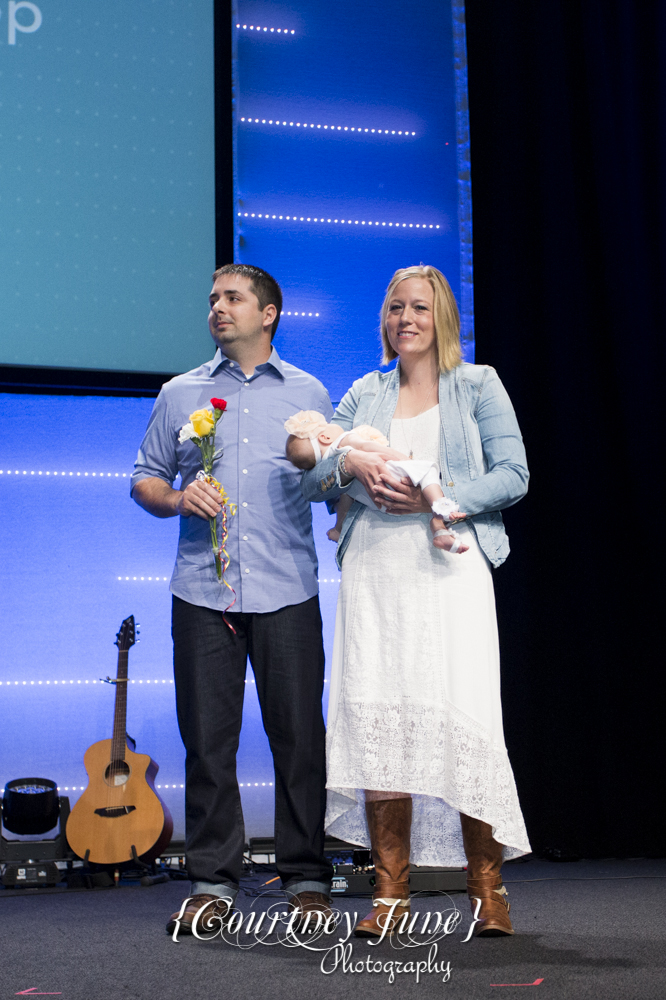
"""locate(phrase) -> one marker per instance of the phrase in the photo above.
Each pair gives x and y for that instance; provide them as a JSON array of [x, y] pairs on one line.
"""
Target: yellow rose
[[203, 422]]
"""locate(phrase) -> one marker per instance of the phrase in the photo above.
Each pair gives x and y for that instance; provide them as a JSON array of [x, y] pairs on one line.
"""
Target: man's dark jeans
[[287, 656]]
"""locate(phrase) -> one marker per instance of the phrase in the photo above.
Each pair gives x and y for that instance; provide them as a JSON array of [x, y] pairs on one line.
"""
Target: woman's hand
[[368, 467], [398, 496]]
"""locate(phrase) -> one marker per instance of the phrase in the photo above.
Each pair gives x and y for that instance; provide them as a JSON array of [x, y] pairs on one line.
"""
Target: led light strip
[[256, 27], [241, 784], [329, 129], [296, 313], [342, 222], [99, 475], [164, 579], [158, 579], [156, 681], [24, 683], [249, 680]]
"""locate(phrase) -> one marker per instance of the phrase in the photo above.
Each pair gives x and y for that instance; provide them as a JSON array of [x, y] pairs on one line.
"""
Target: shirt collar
[[274, 361]]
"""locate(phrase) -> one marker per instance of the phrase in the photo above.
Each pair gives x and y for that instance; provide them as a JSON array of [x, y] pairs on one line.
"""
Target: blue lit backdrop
[[76, 555], [352, 159]]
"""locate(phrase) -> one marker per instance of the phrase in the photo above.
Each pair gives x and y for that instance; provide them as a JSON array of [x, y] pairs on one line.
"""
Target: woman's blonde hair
[[445, 316]]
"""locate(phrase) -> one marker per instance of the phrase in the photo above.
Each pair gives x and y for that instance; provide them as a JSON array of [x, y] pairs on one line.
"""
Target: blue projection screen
[[352, 160], [106, 183]]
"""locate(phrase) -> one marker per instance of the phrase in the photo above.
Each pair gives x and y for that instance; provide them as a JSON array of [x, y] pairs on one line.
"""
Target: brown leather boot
[[484, 881], [313, 908], [390, 824], [217, 914]]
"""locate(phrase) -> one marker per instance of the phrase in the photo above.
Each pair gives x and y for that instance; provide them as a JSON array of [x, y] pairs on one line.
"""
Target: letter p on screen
[[13, 25]]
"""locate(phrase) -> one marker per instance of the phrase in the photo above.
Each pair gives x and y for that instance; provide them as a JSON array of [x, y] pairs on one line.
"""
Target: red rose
[[219, 404]]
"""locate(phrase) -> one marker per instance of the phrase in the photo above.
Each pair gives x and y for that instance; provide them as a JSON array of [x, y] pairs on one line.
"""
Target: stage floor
[[591, 929]]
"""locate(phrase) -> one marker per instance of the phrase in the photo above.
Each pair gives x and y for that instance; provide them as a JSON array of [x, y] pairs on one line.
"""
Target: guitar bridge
[[110, 812]]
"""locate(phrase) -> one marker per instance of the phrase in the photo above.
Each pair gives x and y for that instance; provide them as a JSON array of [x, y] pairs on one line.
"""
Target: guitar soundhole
[[117, 773]]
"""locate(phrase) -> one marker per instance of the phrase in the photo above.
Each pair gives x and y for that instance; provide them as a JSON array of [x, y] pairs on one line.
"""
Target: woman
[[415, 743]]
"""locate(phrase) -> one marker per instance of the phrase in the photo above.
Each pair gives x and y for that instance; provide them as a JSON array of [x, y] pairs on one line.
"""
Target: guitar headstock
[[126, 637]]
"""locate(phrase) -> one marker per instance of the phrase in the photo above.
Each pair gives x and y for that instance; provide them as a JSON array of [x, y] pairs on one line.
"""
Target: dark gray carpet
[[592, 929]]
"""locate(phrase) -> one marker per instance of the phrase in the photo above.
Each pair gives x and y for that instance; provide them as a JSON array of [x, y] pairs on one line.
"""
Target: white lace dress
[[415, 684]]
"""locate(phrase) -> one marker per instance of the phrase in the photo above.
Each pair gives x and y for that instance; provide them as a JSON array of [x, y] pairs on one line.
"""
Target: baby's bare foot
[[444, 537], [333, 534]]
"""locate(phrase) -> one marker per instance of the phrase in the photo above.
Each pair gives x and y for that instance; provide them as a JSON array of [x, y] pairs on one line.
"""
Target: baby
[[310, 434]]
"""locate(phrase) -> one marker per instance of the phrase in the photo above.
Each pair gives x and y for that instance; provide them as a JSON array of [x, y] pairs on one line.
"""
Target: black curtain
[[568, 113]]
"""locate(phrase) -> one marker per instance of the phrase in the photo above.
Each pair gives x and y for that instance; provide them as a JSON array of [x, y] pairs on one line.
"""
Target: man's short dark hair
[[264, 286]]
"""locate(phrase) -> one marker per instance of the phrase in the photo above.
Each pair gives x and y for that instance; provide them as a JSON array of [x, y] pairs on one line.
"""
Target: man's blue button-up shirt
[[273, 559]]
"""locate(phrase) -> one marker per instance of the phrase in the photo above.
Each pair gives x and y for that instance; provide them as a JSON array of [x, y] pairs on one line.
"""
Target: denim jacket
[[482, 457]]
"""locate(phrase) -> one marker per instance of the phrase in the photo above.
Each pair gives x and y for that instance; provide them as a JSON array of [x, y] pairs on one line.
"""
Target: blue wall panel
[[352, 160], [70, 538]]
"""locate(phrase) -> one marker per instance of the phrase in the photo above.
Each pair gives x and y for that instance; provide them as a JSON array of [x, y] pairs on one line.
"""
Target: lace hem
[[444, 758]]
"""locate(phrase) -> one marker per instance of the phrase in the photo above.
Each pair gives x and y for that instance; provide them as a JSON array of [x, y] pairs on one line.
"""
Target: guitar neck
[[119, 740]]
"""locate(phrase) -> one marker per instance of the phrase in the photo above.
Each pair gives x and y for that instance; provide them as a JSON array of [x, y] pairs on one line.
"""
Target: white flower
[[187, 432], [305, 424]]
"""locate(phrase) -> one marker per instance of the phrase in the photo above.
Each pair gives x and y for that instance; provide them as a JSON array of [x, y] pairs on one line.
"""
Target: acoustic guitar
[[120, 817]]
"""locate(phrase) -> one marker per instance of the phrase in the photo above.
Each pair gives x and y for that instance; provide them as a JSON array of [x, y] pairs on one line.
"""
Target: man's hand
[[161, 500], [398, 496], [199, 498]]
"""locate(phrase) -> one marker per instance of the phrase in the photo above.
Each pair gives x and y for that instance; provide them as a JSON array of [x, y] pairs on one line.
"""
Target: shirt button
[[244, 440], [246, 383], [246, 411], [231, 364], [245, 472], [244, 503], [449, 484], [244, 538], [247, 571]]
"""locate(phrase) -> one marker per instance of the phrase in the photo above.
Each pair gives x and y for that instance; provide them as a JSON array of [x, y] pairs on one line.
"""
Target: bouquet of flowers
[[200, 429]]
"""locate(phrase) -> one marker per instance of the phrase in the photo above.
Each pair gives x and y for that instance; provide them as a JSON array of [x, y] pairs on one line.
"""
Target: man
[[275, 618]]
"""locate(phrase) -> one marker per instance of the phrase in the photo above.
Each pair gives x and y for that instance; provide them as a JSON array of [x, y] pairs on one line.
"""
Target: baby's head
[[309, 435]]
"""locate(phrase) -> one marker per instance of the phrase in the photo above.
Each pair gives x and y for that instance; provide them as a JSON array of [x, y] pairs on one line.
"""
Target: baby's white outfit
[[420, 472]]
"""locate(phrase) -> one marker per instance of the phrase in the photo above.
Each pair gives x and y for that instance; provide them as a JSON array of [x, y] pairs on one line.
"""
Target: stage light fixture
[[30, 805]]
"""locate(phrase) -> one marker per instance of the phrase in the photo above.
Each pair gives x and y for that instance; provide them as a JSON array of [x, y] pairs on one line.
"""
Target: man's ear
[[270, 313]]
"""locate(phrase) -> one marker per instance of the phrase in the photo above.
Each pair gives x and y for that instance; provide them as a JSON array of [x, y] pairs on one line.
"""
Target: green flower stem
[[206, 446], [216, 547]]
